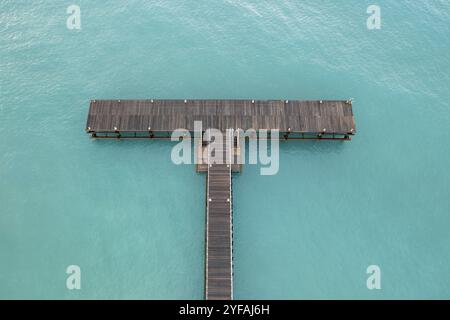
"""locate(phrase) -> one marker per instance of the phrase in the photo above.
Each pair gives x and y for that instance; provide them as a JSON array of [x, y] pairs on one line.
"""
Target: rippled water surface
[[134, 222]]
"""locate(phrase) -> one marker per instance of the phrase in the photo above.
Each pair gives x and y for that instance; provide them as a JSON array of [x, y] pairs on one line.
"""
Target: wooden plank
[[169, 115], [219, 260]]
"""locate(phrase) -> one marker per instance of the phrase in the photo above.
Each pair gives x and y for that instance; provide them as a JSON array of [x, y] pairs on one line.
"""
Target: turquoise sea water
[[134, 222]]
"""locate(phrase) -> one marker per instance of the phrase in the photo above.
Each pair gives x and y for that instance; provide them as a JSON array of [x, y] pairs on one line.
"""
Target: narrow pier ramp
[[219, 231], [158, 119]]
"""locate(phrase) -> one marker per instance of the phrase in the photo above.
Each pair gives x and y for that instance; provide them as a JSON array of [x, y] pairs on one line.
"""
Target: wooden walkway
[[219, 232], [159, 118], [144, 116]]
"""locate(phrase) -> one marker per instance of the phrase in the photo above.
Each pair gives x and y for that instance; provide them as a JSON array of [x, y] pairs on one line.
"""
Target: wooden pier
[[157, 119], [219, 230]]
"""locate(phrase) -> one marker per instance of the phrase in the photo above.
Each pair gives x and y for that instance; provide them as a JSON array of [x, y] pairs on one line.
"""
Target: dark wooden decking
[[158, 118], [219, 232], [112, 116]]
